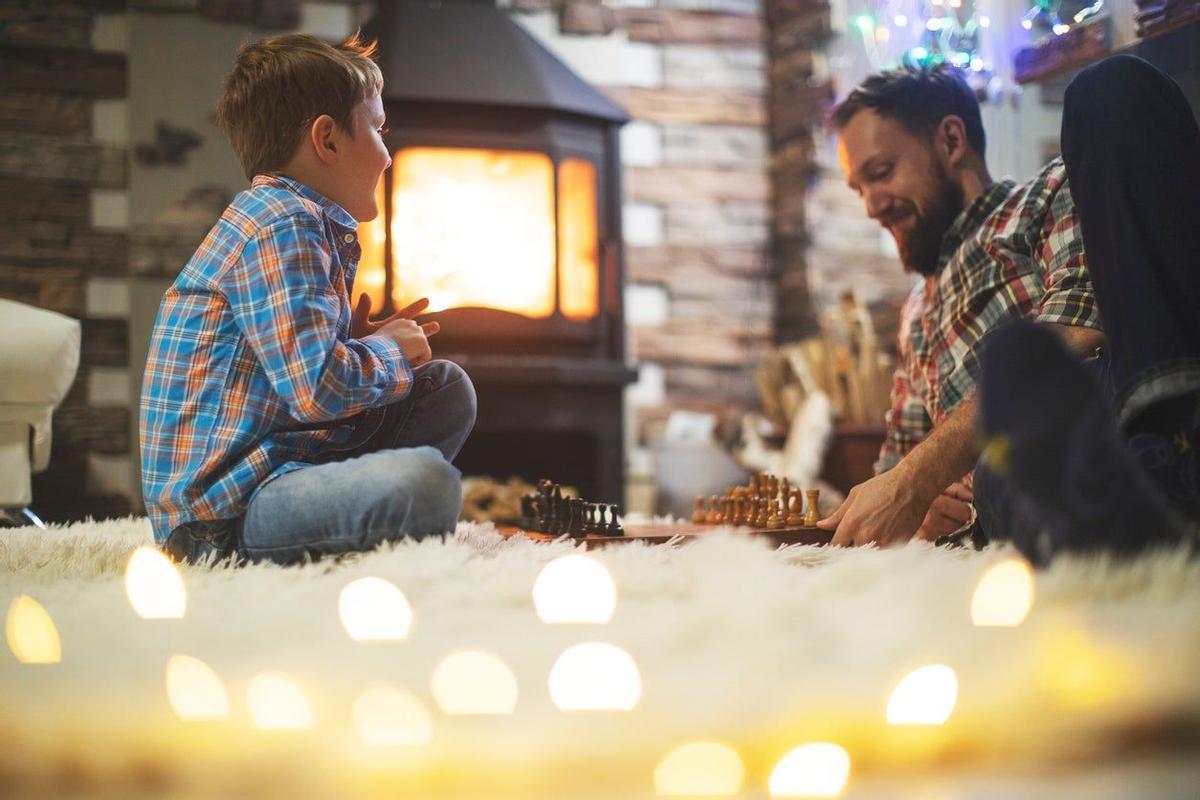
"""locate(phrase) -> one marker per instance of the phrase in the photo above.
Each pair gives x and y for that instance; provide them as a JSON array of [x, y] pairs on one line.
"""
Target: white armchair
[[39, 356]]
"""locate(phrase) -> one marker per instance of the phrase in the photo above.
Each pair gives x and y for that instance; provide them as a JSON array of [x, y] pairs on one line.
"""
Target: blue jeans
[[394, 480], [1130, 145]]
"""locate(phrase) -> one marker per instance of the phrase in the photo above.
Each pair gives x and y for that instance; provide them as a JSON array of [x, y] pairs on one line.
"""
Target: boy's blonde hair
[[280, 85]]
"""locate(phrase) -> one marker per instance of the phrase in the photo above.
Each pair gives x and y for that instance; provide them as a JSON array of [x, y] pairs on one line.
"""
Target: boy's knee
[[458, 392]]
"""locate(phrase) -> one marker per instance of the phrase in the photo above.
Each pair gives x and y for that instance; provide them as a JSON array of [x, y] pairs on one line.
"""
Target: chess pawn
[[778, 509], [759, 520], [614, 525], [713, 517], [795, 510], [739, 510], [699, 514], [812, 515], [773, 516]]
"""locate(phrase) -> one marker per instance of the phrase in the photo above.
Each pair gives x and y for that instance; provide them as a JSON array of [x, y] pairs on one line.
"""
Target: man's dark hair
[[918, 98]]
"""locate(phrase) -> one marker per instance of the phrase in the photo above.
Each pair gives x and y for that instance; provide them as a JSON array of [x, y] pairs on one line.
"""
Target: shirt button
[[348, 238]]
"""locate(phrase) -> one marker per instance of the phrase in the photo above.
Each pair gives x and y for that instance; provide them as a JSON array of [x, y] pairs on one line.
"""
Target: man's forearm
[[951, 449], [946, 454]]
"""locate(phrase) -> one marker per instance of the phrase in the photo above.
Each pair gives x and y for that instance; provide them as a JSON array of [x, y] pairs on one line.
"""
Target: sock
[[1051, 433]]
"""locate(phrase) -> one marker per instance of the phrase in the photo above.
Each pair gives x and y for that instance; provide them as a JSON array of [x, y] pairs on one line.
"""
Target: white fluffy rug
[[760, 650]]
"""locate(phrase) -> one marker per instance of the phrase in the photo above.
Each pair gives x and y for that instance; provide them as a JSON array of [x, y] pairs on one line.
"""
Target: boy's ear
[[321, 135]]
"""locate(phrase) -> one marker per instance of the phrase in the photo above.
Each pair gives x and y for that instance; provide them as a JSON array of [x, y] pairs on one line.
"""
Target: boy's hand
[[400, 328], [361, 325]]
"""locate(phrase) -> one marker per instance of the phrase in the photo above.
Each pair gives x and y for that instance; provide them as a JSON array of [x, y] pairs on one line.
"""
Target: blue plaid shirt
[[252, 372]]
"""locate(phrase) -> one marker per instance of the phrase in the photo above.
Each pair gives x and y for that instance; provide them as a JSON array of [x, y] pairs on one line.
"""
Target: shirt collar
[[973, 216], [337, 215]]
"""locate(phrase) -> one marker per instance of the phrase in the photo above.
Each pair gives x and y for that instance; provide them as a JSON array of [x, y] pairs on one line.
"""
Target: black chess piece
[[576, 525], [614, 523], [528, 511], [617, 528]]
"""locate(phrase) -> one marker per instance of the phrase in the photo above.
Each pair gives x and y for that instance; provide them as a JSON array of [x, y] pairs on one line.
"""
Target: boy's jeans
[[395, 481]]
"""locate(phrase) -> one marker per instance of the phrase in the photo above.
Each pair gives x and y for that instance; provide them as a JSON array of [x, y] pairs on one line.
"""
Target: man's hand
[[888, 508], [412, 338], [949, 512]]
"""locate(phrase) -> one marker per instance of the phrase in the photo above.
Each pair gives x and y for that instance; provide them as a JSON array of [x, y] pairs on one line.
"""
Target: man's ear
[[951, 139], [321, 134]]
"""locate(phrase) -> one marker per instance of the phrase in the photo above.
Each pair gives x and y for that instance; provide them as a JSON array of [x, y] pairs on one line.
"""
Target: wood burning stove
[[503, 206]]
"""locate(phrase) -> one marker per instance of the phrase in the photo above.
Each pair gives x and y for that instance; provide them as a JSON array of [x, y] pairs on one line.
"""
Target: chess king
[[1013, 281]]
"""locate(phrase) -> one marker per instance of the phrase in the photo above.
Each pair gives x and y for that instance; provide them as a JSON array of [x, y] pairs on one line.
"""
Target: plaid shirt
[[1016, 252], [252, 372]]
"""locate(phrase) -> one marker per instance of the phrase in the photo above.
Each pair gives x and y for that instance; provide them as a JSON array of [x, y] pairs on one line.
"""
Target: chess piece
[[785, 489], [614, 523], [778, 519], [575, 523], [699, 514], [713, 516], [811, 515], [727, 510], [772, 516], [795, 509], [752, 489], [739, 510], [528, 511], [762, 514]]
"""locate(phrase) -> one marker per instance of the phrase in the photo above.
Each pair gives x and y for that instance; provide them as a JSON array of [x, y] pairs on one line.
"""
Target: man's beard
[[921, 247]]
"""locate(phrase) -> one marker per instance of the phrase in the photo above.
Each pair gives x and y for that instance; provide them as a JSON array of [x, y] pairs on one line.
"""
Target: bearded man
[[912, 146]]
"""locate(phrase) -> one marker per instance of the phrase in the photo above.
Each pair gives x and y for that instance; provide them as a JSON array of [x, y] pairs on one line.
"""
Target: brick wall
[[63, 173]]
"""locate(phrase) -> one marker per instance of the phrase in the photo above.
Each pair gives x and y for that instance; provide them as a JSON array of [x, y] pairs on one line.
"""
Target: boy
[[276, 422]]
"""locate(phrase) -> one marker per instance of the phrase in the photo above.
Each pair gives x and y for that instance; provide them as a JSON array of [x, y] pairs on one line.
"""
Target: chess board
[[660, 533]]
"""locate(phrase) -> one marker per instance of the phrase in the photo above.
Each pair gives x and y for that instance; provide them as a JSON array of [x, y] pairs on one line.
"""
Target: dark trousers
[[1132, 152]]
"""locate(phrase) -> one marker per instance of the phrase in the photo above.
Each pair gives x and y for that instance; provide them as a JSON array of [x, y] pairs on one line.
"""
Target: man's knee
[[1108, 92]]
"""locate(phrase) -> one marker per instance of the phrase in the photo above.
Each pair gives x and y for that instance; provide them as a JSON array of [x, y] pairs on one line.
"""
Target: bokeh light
[[574, 588], [925, 696], [389, 717], [595, 676], [1004, 595], [195, 690], [817, 769], [374, 610], [154, 586], [32, 635], [699, 769], [277, 703], [474, 682]]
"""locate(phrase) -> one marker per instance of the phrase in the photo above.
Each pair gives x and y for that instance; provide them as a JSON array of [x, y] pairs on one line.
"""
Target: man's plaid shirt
[[252, 372], [1016, 252]]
